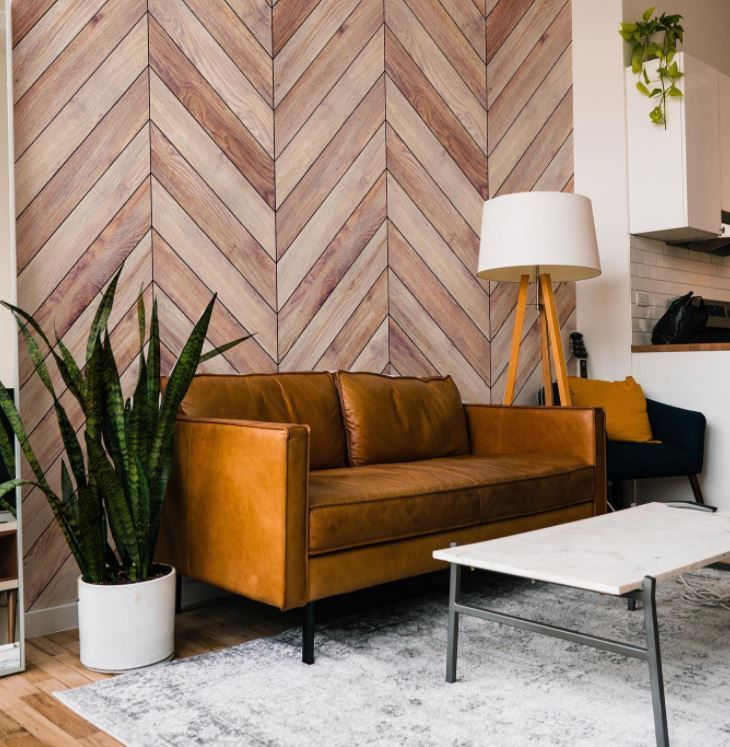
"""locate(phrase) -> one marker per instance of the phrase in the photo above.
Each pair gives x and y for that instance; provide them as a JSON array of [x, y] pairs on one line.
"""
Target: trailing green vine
[[647, 43]]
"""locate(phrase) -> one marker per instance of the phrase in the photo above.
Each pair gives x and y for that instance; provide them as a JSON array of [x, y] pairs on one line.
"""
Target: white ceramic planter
[[127, 626]]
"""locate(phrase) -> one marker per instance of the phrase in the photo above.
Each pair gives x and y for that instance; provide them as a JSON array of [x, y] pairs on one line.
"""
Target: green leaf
[[222, 348], [674, 92], [642, 88], [102, 313], [648, 13], [656, 115]]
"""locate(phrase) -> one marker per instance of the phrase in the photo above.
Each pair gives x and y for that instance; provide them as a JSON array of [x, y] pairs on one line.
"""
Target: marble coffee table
[[623, 554]]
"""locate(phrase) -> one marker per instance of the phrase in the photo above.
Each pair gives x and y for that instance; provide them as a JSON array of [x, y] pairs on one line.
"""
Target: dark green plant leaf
[[102, 313]]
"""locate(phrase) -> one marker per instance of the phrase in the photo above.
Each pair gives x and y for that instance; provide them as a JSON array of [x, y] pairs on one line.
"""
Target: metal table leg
[[651, 654], [453, 635], [654, 658]]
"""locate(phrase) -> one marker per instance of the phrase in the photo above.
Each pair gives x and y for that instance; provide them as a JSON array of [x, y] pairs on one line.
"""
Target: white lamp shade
[[538, 232]]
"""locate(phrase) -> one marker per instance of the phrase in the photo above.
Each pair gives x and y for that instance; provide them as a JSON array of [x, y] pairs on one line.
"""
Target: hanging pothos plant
[[655, 38]]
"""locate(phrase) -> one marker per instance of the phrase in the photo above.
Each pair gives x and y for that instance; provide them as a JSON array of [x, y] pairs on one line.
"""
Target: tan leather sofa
[[289, 488]]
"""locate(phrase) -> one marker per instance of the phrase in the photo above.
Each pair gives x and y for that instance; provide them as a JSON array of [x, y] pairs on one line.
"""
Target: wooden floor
[[30, 715]]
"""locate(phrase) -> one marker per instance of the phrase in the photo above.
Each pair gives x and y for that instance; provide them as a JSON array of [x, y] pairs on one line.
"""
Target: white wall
[[8, 337], [603, 304], [695, 381]]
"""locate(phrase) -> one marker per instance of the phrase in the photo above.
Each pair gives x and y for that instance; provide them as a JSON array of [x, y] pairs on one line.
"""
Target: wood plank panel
[[313, 85], [210, 111], [215, 67], [72, 68], [321, 164]]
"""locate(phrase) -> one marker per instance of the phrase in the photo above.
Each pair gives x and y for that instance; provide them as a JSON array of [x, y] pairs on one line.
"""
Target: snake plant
[[113, 477]]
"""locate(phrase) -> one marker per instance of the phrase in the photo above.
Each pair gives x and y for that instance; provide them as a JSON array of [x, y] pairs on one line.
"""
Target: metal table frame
[[651, 654]]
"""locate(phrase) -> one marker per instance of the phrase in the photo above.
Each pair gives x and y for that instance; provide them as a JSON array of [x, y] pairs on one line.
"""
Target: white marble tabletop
[[610, 553]]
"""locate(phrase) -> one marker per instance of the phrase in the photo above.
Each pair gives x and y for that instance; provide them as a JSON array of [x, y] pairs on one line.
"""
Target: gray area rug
[[379, 680]]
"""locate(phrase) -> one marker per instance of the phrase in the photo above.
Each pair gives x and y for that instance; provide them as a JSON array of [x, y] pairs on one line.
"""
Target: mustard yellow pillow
[[623, 401]]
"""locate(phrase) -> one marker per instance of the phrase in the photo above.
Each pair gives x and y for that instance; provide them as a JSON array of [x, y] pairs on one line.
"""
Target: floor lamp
[[541, 237]]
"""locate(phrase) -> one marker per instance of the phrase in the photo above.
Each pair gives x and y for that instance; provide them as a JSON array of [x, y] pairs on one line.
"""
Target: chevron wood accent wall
[[320, 164]]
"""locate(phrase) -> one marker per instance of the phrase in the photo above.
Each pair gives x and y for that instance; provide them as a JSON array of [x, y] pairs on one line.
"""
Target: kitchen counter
[[690, 347]]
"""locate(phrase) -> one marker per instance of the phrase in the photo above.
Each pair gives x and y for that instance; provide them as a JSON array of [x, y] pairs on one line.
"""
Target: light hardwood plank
[[342, 352], [307, 42], [406, 358], [72, 68], [79, 174], [432, 202], [518, 45], [470, 22], [503, 17], [436, 67], [25, 15], [218, 70], [329, 116], [213, 164], [306, 95], [340, 304], [433, 157], [288, 16], [78, 118], [559, 172], [180, 283], [428, 289], [211, 112], [237, 42], [85, 223], [331, 266], [530, 121], [374, 356], [530, 77], [47, 39], [256, 14], [329, 168], [420, 234], [213, 268], [433, 343], [457, 50], [432, 109], [213, 217], [330, 216], [537, 157]]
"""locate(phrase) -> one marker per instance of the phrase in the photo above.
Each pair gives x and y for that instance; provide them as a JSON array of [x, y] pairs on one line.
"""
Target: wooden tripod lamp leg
[[514, 358], [553, 325], [547, 374]]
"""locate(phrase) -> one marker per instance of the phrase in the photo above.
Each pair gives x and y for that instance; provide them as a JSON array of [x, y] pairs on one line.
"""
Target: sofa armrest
[[236, 507], [679, 427], [578, 432]]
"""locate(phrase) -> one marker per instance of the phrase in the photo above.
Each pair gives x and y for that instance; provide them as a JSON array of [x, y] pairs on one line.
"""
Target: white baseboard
[[66, 617], [51, 620]]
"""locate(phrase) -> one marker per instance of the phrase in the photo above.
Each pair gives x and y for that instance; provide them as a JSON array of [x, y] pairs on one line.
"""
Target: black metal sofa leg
[[308, 634], [695, 483]]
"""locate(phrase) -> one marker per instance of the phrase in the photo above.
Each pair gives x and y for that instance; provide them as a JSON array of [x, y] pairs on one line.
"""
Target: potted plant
[[112, 480]]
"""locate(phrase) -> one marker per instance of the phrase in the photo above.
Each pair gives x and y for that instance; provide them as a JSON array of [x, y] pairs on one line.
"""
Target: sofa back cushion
[[401, 419], [304, 398]]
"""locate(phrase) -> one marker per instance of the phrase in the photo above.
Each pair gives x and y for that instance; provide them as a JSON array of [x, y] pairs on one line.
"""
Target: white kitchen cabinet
[[674, 173], [724, 91]]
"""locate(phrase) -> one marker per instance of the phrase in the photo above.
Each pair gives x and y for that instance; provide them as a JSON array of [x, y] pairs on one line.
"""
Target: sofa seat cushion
[[359, 506]]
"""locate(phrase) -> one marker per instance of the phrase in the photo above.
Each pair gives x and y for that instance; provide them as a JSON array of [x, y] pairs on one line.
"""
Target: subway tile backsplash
[[660, 273]]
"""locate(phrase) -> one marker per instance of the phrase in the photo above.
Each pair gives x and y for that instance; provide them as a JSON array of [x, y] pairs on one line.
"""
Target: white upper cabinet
[[675, 184]]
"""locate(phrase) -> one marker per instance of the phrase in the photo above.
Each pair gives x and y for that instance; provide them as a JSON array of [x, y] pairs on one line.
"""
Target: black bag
[[684, 317]]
